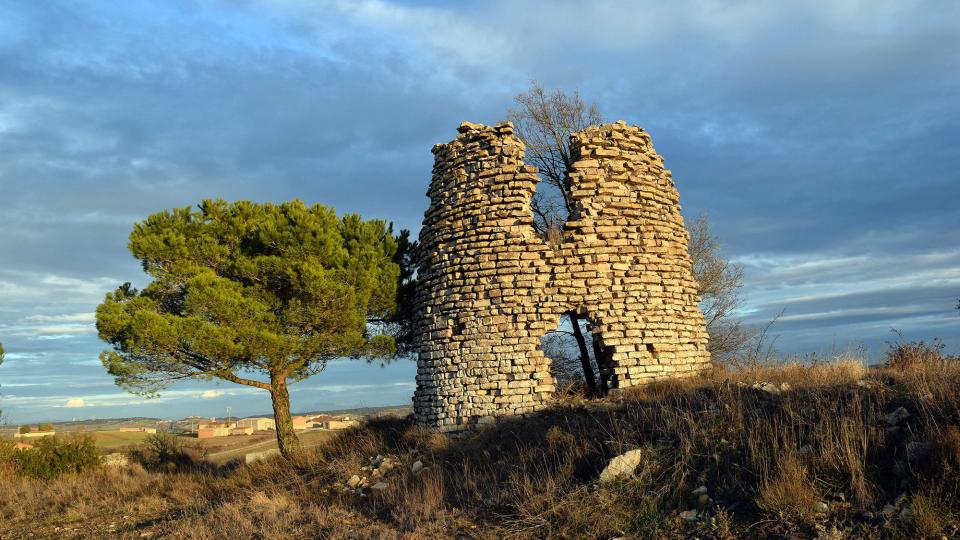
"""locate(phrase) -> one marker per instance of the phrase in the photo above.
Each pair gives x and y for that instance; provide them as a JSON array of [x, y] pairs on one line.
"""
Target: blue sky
[[819, 137]]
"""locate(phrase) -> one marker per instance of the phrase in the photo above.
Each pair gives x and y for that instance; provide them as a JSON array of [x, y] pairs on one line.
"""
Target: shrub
[[6, 451], [25, 429], [929, 516], [163, 450], [53, 456], [906, 355], [943, 465]]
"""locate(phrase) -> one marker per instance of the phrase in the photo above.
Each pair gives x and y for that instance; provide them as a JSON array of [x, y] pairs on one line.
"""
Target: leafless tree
[[544, 121], [720, 282]]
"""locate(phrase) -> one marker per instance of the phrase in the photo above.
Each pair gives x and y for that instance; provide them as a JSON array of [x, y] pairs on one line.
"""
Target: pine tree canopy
[[241, 290]]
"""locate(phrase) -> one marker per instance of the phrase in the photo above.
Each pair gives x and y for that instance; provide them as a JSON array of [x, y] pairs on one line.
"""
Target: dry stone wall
[[491, 287]]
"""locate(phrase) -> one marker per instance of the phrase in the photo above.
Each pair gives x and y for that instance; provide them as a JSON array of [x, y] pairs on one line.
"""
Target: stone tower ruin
[[490, 287]]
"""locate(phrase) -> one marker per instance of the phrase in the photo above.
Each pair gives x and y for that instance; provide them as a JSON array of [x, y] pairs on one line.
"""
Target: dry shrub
[[842, 369], [946, 453], [426, 439], [789, 494], [929, 516], [906, 355], [941, 468]]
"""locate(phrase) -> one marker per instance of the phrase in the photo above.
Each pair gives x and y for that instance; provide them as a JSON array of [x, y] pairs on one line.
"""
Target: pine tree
[[261, 295]]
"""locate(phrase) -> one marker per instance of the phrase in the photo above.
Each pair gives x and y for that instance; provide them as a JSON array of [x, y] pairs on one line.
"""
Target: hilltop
[[830, 450]]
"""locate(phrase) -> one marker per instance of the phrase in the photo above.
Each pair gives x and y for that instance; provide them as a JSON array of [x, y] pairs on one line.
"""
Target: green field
[[117, 439]]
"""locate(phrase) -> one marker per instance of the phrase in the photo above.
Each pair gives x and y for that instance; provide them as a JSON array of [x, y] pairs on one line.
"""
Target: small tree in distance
[[261, 295]]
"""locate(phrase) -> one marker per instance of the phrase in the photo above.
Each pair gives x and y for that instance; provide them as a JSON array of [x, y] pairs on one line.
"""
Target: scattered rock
[[416, 467], [889, 511], [354, 481], [897, 416], [699, 491], [621, 466], [770, 388], [689, 515], [821, 508], [379, 486], [838, 496], [901, 471], [917, 452], [703, 500], [906, 513], [833, 534]]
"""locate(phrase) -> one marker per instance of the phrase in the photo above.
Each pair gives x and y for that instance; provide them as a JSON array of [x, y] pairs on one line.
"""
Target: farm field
[[218, 450], [111, 440], [307, 439]]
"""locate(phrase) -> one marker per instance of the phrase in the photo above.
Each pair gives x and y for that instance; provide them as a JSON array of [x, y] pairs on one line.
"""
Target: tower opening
[[578, 360]]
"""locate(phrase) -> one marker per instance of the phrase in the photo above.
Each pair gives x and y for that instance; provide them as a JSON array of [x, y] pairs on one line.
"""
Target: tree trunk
[[584, 354], [286, 438], [602, 367]]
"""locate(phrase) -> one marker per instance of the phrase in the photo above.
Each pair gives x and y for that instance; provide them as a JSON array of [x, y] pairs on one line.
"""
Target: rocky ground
[[823, 451]]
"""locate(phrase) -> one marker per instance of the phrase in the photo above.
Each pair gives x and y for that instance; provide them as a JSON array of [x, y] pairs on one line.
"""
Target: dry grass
[[790, 494], [767, 460], [843, 369]]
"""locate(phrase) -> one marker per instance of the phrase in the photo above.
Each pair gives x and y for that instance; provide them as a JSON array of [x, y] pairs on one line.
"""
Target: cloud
[[63, 318], [75, 403], [210, 394]]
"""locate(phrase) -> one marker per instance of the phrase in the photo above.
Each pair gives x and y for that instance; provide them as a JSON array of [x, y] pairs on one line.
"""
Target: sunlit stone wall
[[491, 287]]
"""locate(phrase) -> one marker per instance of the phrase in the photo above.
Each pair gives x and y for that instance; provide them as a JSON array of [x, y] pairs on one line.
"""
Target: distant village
[[248, 426], [205, 428]]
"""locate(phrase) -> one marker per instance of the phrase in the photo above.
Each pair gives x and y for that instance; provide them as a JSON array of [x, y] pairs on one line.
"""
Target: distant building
[[34, 434], [212, 428], [138, 430], [210, 432], [340, 423], [212, 423], [258, 424], [240, 430], [300, 422]]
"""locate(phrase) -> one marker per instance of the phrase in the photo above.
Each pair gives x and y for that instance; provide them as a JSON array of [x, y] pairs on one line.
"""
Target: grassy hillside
[[829, 450]]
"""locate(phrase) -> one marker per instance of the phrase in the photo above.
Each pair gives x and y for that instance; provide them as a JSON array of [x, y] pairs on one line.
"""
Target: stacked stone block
[[490, 287]]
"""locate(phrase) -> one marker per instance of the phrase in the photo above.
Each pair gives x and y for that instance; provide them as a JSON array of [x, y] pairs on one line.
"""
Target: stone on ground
[[621, 466]]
